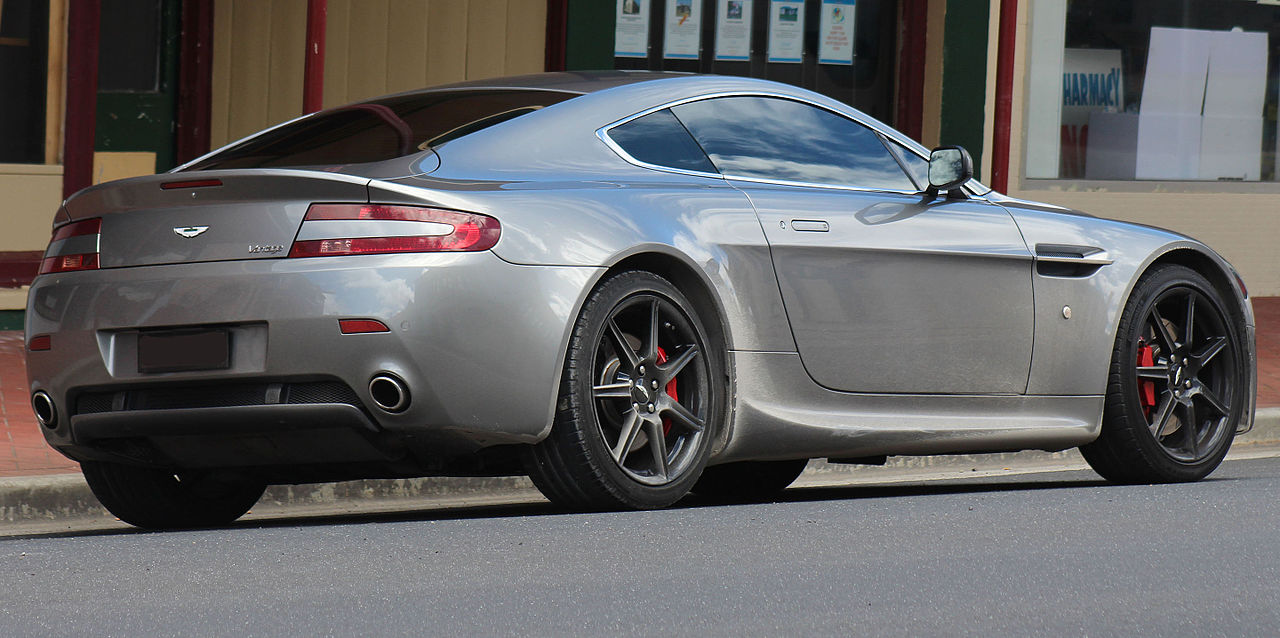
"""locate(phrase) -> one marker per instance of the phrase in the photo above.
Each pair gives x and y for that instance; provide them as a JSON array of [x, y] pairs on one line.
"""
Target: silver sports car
[[628, 286]]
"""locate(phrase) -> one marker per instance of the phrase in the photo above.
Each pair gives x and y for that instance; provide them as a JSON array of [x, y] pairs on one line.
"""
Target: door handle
[[810, 225]]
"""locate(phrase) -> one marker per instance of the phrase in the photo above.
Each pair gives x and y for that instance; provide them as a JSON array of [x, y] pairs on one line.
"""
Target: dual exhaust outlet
[[387, 390]]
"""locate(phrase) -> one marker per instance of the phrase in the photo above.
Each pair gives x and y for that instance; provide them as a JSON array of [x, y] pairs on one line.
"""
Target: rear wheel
[[1177, 389], [157, 499], [748, 479], [641, 394]]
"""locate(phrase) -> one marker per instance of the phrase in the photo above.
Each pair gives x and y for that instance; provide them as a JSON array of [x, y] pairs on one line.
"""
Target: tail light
[[364, 229], [74, 246]]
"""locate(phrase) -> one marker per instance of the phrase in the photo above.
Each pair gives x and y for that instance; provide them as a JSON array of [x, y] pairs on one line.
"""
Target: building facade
[[1156, 111]]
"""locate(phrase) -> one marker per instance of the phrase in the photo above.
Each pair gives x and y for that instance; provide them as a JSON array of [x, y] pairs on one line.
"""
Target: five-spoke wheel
[[1177, 387], [642, 390]]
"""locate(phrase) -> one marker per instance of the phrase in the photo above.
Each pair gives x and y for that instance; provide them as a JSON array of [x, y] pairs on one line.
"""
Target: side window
[[917, 167], [773, 138], [658, 138]]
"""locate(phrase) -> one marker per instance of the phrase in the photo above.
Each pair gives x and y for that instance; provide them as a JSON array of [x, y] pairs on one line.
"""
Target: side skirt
[[779, 413]]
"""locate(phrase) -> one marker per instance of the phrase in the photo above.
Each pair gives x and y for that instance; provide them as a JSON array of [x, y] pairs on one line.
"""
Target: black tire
[[1177, 385], [640, 369], [156, 499], [748, 480]]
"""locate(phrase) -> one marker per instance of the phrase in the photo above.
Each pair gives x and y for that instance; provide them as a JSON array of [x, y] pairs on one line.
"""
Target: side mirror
[[949, 167]]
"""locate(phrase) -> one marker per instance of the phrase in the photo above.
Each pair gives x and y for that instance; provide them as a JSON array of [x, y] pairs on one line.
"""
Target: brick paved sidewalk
[[23, 451]]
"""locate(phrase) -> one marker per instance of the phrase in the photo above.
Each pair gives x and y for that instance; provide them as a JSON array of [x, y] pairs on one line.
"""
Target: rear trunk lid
[[192, 217]]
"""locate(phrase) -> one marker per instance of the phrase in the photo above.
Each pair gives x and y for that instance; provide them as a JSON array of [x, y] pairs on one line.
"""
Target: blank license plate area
[[184, 350]]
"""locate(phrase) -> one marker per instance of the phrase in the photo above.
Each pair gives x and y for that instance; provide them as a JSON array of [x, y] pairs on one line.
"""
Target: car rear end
[[277, 319]]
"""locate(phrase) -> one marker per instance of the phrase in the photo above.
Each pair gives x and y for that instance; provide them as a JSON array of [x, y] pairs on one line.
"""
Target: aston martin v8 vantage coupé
[[628, 286]]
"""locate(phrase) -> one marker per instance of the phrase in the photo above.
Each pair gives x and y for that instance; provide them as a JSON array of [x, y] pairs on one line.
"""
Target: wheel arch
[[686, 277], [1218, 272]]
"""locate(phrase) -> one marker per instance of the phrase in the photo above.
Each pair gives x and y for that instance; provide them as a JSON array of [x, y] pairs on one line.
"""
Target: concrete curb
[[65, 497]]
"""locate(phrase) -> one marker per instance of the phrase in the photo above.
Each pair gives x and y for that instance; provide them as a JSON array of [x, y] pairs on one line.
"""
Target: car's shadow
[[414, 511]]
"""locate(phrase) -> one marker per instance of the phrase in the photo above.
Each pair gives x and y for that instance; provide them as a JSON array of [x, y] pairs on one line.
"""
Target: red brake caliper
[[671, 391], [1146, 387]]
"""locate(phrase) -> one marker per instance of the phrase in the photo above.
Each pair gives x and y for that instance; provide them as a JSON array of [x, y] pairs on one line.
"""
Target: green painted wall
[[589, 37], [964, 76]]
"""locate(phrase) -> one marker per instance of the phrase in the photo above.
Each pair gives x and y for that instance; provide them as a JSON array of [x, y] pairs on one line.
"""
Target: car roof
[[567, 81]]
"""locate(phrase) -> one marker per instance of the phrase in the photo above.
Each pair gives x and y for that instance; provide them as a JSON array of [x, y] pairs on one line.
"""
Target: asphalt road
[[1057, 553]]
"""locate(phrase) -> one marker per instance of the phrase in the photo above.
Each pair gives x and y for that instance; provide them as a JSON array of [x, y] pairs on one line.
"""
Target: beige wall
[[30, 195], [372, 47]]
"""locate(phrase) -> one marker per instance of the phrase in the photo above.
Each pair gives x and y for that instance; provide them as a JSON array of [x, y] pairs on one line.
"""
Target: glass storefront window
[[1153, 90]]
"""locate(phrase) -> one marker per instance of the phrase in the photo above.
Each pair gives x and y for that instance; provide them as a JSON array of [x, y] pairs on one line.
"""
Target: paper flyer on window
[[683, 36], [733, 30], [1092, 80], [786, 31], [631, 33], [835, 35]]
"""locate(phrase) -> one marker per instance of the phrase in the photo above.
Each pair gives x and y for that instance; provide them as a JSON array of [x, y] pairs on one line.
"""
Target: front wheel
[[1178, 384], [157, 499], [642, 394]]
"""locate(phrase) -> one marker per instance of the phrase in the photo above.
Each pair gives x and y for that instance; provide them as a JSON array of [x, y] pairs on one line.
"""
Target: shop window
[[23, 53], [844, 49], [1153, 90], [128, 46]]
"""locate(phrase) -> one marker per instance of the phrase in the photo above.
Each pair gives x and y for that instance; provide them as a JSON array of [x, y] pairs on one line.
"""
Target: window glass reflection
[[779, 139]]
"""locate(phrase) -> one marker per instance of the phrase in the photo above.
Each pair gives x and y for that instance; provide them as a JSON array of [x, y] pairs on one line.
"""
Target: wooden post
[[313, 67], [1004, 95], [56, 82], [83, 20], [195, 80]]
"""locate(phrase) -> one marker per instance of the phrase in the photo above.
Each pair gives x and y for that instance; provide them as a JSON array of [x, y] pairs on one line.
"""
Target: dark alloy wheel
[[159, 499], [1177, 389], [641, 394]]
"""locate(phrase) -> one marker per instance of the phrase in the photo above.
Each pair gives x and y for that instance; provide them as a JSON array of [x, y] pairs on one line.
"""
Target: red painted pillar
[[195, 80], [1004, 95], [914, 26], [83, 19], [313, 70], [557, 34]]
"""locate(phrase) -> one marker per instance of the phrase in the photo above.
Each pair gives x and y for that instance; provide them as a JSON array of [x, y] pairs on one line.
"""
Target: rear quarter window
[[660, 139], [382, 129]]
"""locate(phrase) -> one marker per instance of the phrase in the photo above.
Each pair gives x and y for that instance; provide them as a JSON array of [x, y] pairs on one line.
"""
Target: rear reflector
[[361, 326], [40, 343], [197, 183], [73, 247], [467, 232]]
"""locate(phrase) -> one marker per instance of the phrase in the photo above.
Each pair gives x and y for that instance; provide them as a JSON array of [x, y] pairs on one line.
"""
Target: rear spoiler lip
[[89, 202]]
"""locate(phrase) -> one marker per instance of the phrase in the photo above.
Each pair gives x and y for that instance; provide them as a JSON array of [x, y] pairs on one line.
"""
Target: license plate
[[184, 350]]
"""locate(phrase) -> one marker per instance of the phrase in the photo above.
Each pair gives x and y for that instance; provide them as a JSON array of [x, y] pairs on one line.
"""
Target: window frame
[[1022, 183], [881, 132]]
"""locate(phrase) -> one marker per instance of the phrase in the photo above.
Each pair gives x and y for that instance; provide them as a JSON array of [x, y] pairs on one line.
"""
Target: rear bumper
[[478, 341]]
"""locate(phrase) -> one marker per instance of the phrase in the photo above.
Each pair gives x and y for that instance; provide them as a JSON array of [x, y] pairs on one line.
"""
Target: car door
[[886, 291]]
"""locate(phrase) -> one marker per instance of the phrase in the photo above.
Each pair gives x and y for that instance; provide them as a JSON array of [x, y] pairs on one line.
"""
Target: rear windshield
[[382, 129]]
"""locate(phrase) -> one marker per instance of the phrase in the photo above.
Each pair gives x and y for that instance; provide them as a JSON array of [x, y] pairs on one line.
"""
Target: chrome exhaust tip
[[389, 392], [46, 411]]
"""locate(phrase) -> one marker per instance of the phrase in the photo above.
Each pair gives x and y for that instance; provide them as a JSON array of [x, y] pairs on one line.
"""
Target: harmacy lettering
[[1091, 89]]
